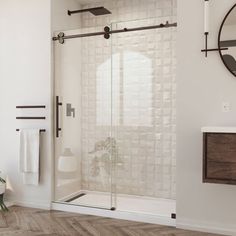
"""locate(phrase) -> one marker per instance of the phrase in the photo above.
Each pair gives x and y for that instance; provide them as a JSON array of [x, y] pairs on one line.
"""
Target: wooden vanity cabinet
[[219, 158]]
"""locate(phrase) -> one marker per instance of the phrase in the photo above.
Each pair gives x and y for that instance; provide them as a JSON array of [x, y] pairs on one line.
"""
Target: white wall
[[60, 19], [202, 85], [26, 78]]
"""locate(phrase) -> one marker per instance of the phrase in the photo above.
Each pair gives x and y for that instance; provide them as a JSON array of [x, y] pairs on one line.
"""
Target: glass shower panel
[[83, 164], [143, 114]]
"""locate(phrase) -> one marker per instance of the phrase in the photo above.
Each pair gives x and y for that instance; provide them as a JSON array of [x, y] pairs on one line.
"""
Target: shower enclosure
[[115, 119]]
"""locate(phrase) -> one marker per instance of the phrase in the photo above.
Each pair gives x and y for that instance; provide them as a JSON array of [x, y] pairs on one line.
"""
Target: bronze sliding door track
[[61, 37]]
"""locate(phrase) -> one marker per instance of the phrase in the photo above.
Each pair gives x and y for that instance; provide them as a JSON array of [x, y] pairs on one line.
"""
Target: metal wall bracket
[[212, 50], [61, 38], [107, 32]]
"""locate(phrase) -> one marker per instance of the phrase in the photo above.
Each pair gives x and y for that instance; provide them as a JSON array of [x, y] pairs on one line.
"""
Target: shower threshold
[[129, 207]]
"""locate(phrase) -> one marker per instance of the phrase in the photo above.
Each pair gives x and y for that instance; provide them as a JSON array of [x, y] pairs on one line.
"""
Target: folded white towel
[[29, 155]]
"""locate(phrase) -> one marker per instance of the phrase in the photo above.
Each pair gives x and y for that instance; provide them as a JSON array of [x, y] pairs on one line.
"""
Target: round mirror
[[227, 40]]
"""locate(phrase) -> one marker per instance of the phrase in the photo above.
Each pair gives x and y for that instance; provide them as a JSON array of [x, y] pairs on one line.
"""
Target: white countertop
[[212, 129]]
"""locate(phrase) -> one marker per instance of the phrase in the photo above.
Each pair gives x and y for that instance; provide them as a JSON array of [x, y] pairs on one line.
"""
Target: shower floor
[[128, 203]]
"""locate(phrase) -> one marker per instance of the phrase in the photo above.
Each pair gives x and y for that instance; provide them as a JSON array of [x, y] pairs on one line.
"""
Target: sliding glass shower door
[[143, 113], [84, 146], [115, 118]]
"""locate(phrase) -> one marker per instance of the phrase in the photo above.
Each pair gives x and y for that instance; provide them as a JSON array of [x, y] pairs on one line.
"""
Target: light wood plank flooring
[[26, 222]]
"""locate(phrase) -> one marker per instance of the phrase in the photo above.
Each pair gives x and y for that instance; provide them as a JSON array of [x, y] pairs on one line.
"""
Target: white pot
[[2, 188]]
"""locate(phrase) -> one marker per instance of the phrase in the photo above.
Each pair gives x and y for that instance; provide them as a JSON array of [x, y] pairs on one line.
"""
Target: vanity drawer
[[221, 171], [219, 158], [221, 147], [221, 142]]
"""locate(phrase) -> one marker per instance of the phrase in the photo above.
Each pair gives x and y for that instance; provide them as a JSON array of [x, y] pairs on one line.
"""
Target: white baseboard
[[132, 216], [207, 228], [43, 206], [9, 203]]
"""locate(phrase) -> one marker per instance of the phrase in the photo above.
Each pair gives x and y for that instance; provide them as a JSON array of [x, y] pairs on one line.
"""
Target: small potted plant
[[2, 191]]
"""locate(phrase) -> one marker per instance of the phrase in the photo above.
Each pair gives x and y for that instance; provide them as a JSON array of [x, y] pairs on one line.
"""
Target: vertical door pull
[[58, 104]]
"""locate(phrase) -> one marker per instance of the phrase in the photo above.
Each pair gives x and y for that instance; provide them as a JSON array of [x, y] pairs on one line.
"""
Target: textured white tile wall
[[139, 69]]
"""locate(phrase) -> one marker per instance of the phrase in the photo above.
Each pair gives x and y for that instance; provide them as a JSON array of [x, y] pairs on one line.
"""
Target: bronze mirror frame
[[219, 36]]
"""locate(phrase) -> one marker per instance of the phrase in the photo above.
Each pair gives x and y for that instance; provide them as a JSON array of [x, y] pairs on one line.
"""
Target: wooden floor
[[26, 222]]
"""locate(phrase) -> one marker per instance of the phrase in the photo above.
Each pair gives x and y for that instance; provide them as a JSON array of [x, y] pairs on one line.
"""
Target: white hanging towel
[[29, 155]]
